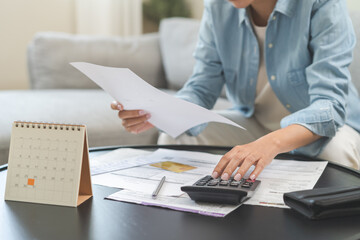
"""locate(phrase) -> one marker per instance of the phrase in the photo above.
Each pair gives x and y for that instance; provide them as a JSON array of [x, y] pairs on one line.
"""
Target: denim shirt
[[308, 49]]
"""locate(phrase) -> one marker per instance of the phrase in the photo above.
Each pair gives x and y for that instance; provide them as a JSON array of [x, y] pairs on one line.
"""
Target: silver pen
[[156, 192]]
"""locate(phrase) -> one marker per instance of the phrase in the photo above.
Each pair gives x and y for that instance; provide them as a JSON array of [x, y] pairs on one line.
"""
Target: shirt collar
[[286, 7]]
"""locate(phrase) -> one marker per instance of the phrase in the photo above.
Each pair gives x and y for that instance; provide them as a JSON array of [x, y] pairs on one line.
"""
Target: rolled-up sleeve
[[205, 85], [332, 42]]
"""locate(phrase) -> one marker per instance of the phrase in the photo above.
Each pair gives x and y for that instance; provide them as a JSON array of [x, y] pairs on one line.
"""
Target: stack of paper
[[140, 181]]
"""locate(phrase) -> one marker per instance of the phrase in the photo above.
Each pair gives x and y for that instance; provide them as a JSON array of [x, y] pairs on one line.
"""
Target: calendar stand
[[48, 164]]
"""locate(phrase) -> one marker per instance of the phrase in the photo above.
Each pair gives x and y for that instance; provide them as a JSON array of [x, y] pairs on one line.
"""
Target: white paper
[[145, 186], [282, 176], [168, 113], [182, 203], [121, 158], [277, 178], [145, 178]]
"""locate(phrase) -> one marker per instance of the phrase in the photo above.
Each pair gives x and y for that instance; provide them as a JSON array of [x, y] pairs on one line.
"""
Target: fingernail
[[119, 107], [252, 177], [237, 177], [142, 112], [225, 176], [215, 175], [148, 116]]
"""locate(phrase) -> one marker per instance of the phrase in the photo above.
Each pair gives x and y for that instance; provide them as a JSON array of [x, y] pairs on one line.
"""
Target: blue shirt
[[308, 49]]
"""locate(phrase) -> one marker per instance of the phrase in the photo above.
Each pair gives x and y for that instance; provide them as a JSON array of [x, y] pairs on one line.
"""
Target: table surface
[[105, 219]]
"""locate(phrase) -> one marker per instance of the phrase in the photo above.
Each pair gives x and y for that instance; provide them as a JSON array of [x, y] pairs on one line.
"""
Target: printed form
[[139, 181], [145, 177]]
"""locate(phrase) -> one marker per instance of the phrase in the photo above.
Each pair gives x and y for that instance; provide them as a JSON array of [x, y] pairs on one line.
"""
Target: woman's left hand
[[259, 153]]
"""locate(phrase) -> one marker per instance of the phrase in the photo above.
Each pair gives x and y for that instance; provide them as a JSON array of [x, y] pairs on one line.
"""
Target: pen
[[156, 192]]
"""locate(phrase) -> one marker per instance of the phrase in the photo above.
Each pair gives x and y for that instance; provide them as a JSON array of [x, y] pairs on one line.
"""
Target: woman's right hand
[[134, 121]]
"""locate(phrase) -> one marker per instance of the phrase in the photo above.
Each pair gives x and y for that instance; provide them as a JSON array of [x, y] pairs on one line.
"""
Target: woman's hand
[[262, 151], [259, 153], [134, 121]]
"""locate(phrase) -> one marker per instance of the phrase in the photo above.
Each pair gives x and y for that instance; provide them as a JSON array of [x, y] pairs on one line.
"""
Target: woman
[[285, 66]]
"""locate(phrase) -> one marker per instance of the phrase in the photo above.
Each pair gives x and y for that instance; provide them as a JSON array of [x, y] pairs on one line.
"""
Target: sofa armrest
[[50, 53]]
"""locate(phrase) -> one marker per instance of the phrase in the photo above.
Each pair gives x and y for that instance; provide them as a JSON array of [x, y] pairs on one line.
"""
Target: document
[[121, 158], [182, 203], [282, 176], [145, 177], [168, 113], [140, 181]]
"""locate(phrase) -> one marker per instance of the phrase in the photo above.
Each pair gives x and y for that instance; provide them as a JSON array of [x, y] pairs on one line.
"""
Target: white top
[[268, 109]]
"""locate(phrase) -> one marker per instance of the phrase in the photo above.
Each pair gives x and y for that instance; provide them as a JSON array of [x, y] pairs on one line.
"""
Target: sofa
[[59, 93]]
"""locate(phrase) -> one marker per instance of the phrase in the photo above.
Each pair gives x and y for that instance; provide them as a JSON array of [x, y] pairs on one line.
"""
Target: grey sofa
[[59, 93]]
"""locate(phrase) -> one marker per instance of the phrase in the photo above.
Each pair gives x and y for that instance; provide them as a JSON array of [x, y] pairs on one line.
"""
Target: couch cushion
[[49, 55], [178, 37], [89, 107]]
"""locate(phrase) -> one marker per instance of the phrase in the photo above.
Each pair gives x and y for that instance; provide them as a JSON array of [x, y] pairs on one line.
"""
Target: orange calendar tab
[[31, 181]]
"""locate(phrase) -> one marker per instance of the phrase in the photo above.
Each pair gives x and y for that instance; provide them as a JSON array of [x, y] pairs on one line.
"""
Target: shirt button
[[274, 18], [270, 45], [288, 105], [273, 77]]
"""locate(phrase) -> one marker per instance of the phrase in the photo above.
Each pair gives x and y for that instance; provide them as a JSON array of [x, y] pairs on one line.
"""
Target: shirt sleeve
[[205, 85], [332, 42]]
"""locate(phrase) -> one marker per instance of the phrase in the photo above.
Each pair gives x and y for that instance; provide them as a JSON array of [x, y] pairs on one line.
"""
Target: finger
[[231, 167], [218, 170], [131, 114], [136, 128], [145, 127], [135, 121], [115, 105], [247, 163], [259, 167]]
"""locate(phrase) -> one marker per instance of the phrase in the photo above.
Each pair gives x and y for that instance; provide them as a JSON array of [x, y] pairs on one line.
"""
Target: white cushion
[[178, 38], [49, 55]]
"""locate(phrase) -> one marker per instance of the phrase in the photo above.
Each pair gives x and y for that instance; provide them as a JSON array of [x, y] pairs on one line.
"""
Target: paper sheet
[[283, 176], [183, 203], [121, 158], [145, 178], [277, 178], [168, 113]]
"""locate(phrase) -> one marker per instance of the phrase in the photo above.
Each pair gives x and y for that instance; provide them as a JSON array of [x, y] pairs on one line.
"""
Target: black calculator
[[208, 189]]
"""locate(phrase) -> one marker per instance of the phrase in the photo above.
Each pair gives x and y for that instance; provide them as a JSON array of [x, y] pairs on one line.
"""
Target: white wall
[[353, 5], [19, 21], [109, 17], [196, 8]]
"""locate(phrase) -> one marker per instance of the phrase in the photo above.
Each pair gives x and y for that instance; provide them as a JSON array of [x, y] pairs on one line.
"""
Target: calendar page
[[45, 163]]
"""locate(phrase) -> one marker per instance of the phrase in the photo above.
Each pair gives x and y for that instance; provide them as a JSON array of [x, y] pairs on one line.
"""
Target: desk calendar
[[48, 164]]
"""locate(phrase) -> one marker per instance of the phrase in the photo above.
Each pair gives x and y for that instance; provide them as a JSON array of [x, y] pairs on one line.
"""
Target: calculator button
[[246, 185], [201, 183], [207, 178], [235, 183], [224, 183], [212, 183]]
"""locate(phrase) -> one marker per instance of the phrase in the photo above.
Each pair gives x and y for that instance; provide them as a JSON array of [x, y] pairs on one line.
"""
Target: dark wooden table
[[104, 219]]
